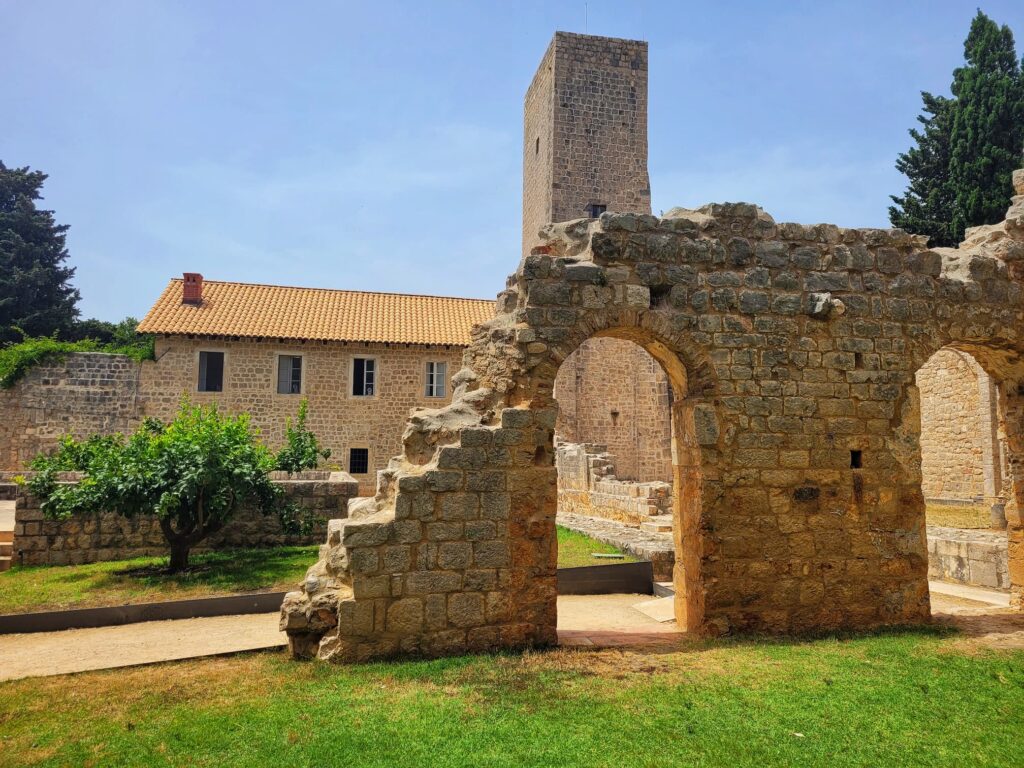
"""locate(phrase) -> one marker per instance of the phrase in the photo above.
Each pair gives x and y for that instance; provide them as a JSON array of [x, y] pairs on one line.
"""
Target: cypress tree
[[987, 132], [960, 171], [926, 208], [35, 291]]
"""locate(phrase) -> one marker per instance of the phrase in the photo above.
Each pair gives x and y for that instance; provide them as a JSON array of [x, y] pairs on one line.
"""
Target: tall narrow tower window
[[536, 147]]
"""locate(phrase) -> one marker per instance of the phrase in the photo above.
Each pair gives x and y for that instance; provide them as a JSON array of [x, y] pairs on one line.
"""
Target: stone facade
[[85, 394], [101, 394], [107, 536], [791, 351], [962, 455], [340, 420], [613, 393], [585, 131]]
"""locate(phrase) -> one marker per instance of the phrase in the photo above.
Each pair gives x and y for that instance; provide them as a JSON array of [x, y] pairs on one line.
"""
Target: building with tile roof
[[256, 311], [362, 359]]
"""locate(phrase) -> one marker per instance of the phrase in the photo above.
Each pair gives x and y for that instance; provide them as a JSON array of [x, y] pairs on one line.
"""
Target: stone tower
[[585, 132]]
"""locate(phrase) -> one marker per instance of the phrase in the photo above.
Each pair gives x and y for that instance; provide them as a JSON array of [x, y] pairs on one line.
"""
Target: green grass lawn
[[575, 549], [905, 699], [40, 588]]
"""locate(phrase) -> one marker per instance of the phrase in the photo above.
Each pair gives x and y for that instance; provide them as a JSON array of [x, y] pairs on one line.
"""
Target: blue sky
[[376, 146]]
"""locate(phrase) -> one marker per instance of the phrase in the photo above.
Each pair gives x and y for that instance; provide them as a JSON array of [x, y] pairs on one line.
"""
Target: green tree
[[926, 208], [987, 131], [301, 449], [35, 295], [193, 474], [960, 170]]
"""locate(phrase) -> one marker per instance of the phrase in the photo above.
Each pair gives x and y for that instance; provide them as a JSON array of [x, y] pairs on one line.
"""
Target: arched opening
[[966, 484], [623, 464]]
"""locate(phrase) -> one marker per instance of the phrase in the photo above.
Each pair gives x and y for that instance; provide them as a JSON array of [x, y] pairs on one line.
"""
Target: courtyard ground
[[926, 696]]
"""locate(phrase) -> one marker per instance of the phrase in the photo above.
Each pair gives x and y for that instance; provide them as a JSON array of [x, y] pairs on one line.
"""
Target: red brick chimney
[[193, 289]]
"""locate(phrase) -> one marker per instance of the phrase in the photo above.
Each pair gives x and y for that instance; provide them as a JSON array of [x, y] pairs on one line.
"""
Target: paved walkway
[[77, 650]]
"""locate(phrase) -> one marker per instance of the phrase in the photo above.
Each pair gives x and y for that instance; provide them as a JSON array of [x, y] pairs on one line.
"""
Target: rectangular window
[[436, 378], [289, 374], [211, 371], [594, 210], [364, 376], [358, 461]]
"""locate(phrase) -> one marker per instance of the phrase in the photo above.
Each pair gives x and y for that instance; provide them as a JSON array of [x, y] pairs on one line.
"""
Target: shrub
[[193, 474], [301, 449]]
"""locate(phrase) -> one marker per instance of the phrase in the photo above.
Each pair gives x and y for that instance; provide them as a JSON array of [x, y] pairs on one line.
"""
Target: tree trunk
[[179, 555]]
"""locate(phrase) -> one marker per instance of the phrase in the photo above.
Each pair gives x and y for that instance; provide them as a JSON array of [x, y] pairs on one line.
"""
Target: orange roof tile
[[276, 311]]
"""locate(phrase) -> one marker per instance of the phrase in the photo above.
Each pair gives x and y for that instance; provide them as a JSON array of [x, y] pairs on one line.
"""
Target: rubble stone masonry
[[84, 394], [962, 455]]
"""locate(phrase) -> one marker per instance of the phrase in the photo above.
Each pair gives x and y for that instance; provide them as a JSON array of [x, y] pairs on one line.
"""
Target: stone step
[[5, 563], [657, 524], [6, 549], [6, 537]]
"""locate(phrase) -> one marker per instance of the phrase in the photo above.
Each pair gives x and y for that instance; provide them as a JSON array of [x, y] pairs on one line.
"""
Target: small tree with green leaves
[[301, 450], [193, 474]]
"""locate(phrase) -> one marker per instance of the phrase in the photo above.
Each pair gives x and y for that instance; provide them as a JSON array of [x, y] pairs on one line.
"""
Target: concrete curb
[[628, 578], [114, 615]]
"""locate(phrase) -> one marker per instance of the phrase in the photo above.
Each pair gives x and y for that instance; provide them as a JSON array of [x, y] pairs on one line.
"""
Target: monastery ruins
[[783, 398]]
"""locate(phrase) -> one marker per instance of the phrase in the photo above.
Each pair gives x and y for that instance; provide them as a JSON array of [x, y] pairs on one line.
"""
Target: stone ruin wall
[[588, 484], [107, 536], [791, 351], [611, 392], [962, 456]]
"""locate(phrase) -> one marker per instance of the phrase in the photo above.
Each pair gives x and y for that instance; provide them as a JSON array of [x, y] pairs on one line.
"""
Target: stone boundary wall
[[108, 536], [86, 393], [975, 557], [587, 485]]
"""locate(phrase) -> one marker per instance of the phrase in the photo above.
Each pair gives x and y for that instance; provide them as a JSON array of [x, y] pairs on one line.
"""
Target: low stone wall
[[587, 485], [975, 557], [107, 536]]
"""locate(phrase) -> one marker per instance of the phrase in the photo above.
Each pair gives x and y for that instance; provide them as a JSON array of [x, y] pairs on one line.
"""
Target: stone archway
[[795, 348]]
